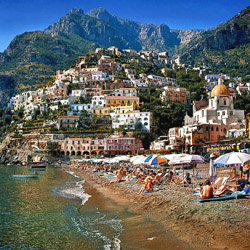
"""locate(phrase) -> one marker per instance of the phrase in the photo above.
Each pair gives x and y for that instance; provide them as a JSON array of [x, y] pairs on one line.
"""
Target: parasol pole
[[183, 175], [236, 183], [193, 175]]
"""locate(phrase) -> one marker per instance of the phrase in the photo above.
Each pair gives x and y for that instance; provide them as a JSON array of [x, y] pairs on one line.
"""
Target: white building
[[125, 92], [98, 101], [78, 92], [99, 76], [130, 119], [81, 107]]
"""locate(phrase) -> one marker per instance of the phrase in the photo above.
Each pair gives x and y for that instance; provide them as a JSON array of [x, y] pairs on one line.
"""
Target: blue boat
[[26, 175]]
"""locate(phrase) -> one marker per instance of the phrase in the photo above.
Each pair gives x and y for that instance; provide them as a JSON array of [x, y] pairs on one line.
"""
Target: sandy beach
[[213, 225]]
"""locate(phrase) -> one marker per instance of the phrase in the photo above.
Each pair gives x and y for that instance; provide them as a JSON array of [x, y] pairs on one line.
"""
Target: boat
[[26, 175], [38, 165], [37, 169]]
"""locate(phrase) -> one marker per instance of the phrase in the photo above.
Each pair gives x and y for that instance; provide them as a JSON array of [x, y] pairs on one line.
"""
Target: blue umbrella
[[148, 158]]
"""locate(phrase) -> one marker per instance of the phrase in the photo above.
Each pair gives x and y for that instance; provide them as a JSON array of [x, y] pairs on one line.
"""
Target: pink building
[[122, 145], [96, 147], [82, 146]]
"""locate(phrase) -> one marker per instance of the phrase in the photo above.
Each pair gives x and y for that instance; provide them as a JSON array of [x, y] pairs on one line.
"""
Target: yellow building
[[101, 112], [122, 109], [248, 125]]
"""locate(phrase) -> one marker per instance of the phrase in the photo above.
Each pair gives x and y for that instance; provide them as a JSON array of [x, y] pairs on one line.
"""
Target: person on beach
[[244, 172], [207, 190], [148, 186], [119, 176]]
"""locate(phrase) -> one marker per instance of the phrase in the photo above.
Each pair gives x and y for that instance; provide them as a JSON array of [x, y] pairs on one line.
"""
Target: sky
[[18, 16]]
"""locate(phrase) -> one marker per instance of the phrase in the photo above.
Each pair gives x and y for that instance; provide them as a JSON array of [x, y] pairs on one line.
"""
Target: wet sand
[[139, 231], [174, 213]]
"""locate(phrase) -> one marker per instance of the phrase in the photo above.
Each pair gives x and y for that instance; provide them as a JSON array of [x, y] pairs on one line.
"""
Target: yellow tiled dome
[[220, 90]]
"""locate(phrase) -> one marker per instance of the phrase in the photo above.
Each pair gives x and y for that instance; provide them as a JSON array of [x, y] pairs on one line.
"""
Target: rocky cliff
[[226, 36]]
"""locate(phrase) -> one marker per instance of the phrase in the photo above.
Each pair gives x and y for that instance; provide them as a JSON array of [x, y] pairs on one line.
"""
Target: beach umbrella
[[149, 158], [133, 158], [157, 160], [232, 159], [175, 159], [139, 160], [187, 159]]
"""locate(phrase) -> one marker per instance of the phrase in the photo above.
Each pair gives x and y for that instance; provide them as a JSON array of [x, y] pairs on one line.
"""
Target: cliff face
[[226, 36]]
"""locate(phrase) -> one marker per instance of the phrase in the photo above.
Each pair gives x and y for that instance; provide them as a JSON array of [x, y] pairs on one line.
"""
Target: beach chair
[[219, 182], [196, 175]]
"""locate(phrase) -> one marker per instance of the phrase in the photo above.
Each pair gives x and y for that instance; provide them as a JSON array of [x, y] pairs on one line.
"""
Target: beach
[[213, 225]]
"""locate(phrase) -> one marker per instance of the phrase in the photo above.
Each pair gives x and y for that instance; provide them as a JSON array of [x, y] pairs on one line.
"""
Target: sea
[[60, 211]]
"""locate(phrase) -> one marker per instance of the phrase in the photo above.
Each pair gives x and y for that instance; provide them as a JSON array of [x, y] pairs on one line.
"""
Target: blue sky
[[18, 16]]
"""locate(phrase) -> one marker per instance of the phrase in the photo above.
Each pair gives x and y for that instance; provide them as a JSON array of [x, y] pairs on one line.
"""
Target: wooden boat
[[26, 175], [38, 165]]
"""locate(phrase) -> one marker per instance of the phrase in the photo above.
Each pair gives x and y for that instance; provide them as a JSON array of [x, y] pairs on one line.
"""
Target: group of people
[[149, 178], [240, 182]]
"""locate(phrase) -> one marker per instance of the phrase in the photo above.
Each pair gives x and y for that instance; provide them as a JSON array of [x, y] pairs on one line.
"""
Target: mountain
[[33, 57], [99, 26], [226, 47]]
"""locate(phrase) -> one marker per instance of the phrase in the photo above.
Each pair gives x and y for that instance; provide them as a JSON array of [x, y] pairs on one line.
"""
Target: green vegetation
[[34, 57], [243, 102]]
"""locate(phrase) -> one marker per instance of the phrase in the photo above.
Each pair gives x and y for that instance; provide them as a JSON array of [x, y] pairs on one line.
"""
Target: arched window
[[122, 101], [225, 101], [145, 124], [128, 102], [217, 129], [145, 119], [212, 128]]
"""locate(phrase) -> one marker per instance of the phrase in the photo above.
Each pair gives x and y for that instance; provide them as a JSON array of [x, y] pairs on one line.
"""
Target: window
[[78, 142], [223, 113], [66, 147], [145, 124], [217, 129], [212, 128], [145, 119], [128, 102], [225, 101], [73, 142], [78, 148]]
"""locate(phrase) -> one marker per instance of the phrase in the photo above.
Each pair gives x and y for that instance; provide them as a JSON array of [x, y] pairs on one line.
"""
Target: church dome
[[220, 90]]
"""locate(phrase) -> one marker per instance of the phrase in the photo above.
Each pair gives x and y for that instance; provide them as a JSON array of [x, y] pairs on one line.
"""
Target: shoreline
[[214, 225]]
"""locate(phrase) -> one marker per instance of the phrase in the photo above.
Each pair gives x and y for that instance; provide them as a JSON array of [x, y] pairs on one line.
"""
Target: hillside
[[32, 58], [226, 47]]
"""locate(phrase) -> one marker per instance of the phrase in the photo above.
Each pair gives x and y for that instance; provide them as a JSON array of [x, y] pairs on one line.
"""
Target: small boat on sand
[[26, 175]]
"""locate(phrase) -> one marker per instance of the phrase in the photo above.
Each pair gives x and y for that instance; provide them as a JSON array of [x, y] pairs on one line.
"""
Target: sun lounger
[[225, 197]]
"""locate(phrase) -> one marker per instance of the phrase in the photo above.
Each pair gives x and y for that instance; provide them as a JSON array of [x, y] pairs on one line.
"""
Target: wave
[[72, 190], [105, 232], [71, 173]]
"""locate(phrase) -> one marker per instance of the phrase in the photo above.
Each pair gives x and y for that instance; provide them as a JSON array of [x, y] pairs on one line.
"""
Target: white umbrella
[[232, 159], [176, 159], [139, 160]]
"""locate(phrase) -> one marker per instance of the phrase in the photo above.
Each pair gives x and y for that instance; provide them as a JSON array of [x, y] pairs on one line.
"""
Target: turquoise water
[[49, 213]]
